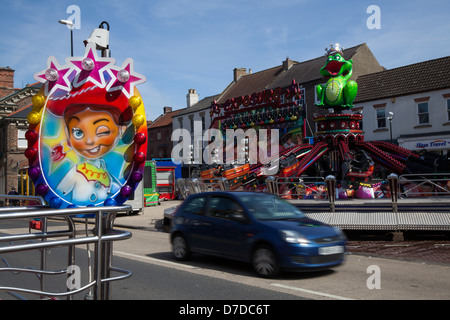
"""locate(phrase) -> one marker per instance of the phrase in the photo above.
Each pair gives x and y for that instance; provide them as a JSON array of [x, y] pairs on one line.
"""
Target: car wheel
[[180, 249], [265, 262]]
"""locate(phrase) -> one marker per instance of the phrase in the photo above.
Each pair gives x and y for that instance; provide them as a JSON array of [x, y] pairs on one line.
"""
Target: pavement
[[150, 218]]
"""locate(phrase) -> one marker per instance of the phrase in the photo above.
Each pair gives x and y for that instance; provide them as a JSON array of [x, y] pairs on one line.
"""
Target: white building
[[409, 105], [195, 116]]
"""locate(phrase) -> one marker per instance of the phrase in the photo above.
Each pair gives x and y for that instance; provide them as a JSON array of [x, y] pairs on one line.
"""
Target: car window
[[224, 207], [195, 206], [268, 207]]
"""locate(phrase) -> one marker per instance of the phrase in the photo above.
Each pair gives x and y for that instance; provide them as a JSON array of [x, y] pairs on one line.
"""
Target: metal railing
[[298, 187], [319, 188], [424, 185], [102, 237]]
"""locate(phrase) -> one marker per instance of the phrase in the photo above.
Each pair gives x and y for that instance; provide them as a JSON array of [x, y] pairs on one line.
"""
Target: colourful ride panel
[[87, 139]]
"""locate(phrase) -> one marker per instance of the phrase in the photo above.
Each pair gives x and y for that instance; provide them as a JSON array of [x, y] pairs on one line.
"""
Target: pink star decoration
[[55, 76], [89, 68], [92, 72], [124, 78]]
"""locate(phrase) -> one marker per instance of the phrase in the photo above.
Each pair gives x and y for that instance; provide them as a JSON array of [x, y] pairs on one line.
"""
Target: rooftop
[[415, 78]]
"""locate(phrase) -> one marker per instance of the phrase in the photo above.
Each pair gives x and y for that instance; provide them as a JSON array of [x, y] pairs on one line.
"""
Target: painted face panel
[[87, 138], [92, 133]]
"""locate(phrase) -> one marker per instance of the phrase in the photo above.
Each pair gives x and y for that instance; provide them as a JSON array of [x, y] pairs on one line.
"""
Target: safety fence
[[40, 238], [424, 185], [330, 190]]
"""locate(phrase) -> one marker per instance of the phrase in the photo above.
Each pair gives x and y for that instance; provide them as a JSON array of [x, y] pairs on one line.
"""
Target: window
[[222, 207], [158, 135], [195, 206], [300, 99], [448, 109], [180, 121], [381, 117], [21, 140], [422, 113], [191, 122]]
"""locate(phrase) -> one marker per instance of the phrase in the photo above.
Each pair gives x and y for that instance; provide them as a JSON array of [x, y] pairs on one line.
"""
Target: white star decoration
[[89, 68]]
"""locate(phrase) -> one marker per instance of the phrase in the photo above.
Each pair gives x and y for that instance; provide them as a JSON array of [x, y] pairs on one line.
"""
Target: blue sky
[[183, 44]]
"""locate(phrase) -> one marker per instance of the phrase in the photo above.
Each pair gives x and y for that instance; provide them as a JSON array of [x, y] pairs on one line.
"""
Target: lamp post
[[70, 25], [390, 117]]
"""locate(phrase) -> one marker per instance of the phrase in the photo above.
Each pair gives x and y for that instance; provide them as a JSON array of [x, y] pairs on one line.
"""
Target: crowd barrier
[[102, 236]]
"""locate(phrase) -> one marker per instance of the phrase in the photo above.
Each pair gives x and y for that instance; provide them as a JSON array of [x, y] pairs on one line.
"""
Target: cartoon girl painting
[[87, 138], [92, 132], [85, 167]]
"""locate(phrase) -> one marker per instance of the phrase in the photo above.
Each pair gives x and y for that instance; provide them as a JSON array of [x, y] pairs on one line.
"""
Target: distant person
[[13, 202], [299, 140], [289, 143]]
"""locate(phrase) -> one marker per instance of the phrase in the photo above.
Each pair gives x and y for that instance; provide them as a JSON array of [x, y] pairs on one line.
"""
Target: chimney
[[239, 72], [287, 64], [191, 98], [167, 109], [6, 81]]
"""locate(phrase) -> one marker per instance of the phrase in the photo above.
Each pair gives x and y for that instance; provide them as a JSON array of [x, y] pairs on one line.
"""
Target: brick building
[[159, 135], [15, 105]]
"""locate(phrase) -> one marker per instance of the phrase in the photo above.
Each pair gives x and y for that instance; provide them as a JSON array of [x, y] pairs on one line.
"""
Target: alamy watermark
[[374, 20], [75, 17], [73, 281], [374, 280], [236, 147]]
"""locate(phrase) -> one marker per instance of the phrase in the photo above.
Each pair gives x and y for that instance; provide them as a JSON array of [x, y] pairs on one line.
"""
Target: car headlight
[[294, 237], [340, 233]]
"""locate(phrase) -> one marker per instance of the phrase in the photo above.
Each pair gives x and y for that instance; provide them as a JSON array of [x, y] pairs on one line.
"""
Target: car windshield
[[269, 207]]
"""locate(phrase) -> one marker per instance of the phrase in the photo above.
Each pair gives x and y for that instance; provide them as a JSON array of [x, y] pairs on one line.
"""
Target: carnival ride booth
[[87, 138], [339, 148]]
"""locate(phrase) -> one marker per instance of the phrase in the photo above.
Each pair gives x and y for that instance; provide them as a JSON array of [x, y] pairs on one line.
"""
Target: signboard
[[434, 143]]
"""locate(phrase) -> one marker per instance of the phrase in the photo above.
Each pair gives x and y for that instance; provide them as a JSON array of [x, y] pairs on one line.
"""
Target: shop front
[[436, 143]]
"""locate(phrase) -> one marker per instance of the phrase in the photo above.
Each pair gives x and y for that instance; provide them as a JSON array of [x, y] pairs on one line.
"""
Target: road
[[360, 277], [156, 276]]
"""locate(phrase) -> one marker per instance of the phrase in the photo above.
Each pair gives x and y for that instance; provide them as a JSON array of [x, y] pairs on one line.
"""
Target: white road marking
[[317, 293], [150, 259]]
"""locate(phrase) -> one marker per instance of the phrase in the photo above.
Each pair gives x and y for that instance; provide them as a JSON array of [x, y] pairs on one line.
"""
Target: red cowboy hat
[[89, 94]]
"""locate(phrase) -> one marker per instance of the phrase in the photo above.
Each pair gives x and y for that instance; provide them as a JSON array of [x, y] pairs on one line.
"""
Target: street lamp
[[390, 117], [70, 25]]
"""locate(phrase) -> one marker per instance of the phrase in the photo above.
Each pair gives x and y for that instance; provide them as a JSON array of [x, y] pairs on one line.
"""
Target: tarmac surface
[[422, 247]]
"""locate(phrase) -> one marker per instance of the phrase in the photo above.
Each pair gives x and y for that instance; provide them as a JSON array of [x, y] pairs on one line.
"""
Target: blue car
[[258, 228]]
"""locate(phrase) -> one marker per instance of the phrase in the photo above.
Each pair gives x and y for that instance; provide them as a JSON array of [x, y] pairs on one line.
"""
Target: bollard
[[393, 187], [331, 189], [270, 183]]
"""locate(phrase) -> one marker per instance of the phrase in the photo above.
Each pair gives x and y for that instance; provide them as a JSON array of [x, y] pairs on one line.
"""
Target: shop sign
[[261, 99], [435, 144]]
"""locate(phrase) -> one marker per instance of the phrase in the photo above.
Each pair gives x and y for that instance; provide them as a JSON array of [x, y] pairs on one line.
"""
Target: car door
[[228, 227], [193, 215]]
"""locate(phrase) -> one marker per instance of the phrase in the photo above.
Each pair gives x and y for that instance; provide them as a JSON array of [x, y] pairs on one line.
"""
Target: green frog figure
[[339, 91]]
